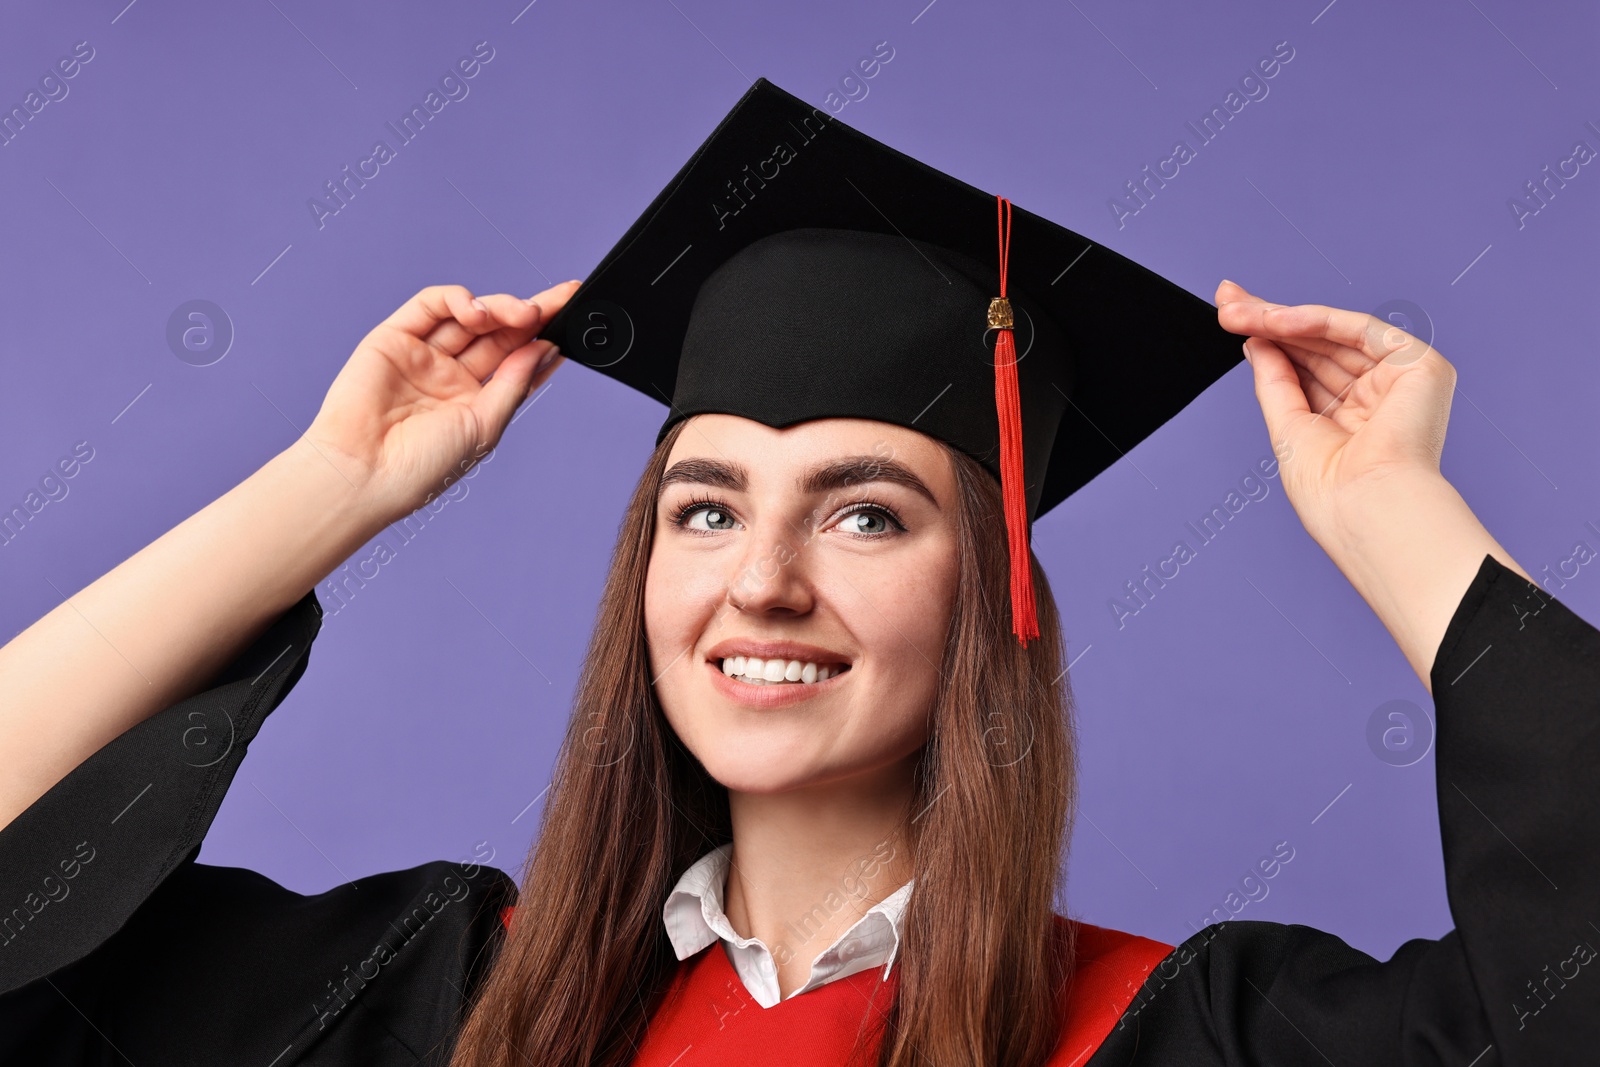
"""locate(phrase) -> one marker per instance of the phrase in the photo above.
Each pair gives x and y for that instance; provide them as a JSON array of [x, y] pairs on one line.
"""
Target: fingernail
[[555, 350], [1247, 358], [479, 304]]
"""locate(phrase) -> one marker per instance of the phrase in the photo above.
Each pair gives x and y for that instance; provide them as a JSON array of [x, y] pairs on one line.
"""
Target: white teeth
[[757, 671]]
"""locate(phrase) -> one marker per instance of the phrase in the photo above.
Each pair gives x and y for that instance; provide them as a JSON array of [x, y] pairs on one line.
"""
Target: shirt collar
[[695, 918]]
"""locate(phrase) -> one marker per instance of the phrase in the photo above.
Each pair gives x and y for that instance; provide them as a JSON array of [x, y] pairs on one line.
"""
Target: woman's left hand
[[1349, 400], [1357, 410]]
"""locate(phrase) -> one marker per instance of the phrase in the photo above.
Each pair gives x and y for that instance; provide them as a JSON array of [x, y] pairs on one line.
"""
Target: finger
[[1368, 334], [1246, 315], [1319, 398], [543, 374], [1278, 387], [517, 376], [1350, 360], [555, 298], [1259, 319], [1229, 291], [1319, 369], [455, 339], [514, 323], [435, 304]]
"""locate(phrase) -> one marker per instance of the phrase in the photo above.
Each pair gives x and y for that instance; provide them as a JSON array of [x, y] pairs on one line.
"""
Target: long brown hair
[[629, 809]]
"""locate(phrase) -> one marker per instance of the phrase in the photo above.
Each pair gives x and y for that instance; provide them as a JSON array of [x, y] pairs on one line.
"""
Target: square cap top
[[797, 268]]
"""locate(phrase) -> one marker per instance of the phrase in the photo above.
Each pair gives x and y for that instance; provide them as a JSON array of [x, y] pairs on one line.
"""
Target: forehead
[[765, 448]]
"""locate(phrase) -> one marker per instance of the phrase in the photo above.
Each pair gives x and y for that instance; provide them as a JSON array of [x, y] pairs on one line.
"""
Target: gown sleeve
[[1516, 688], [116, 946]]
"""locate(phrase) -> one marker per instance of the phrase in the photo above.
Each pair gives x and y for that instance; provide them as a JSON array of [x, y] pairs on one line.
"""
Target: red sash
[[707, 1008]]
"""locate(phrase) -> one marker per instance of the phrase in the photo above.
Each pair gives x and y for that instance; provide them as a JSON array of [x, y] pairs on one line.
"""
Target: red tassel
[[1008, 406]]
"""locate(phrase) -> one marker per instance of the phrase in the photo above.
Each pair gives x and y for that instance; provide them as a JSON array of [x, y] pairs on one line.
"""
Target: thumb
[[1278, 390], [509, 386]]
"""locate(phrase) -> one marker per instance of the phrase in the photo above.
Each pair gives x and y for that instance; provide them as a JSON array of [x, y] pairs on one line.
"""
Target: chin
[[756, 780], [758, 765]]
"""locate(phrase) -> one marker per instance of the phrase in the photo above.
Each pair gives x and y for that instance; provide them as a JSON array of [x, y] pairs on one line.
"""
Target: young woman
[[794, 820]]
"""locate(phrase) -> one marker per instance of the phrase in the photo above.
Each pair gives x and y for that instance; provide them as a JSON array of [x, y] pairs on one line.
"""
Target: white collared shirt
[[694, 918]]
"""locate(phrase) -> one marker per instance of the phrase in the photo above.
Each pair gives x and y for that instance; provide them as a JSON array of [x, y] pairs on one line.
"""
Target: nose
[[771, 576]]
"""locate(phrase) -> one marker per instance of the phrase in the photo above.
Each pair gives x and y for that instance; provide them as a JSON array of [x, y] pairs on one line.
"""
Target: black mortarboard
[[795, 268]]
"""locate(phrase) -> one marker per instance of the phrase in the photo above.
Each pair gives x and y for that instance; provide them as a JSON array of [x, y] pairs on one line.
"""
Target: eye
[[716, 519], [717, 516], [865, 519]]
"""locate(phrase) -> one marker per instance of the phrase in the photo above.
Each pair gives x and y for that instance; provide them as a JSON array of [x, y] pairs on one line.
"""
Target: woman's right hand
[[410, 408]]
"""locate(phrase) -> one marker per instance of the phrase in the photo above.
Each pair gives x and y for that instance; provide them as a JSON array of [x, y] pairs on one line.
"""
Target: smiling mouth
[[756, 671]]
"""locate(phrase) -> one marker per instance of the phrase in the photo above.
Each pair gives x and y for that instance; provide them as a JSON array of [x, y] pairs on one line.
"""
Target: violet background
[[1224, 718]]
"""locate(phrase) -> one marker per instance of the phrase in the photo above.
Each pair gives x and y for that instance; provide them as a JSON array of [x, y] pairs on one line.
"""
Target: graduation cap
[[795, 268]]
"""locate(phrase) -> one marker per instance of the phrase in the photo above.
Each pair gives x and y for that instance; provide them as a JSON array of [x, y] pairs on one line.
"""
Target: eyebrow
[[834, 474]]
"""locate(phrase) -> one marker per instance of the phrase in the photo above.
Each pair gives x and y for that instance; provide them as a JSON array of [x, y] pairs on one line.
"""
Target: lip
[[740, 646], [769, 696]]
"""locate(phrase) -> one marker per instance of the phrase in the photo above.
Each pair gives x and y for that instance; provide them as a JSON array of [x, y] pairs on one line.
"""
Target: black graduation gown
[[116, 947]]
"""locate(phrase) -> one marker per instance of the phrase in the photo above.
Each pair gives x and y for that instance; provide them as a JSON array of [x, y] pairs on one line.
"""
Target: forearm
[[1410, 546], [156, 628]]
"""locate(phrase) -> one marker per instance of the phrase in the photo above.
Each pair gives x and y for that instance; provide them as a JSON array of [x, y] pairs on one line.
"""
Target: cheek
[[665, 614], [904, 610], [900, 615], [665, 634], [681, 601]]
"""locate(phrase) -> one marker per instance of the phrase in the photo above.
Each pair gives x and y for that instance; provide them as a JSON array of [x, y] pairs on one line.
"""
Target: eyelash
[[681, 514]]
